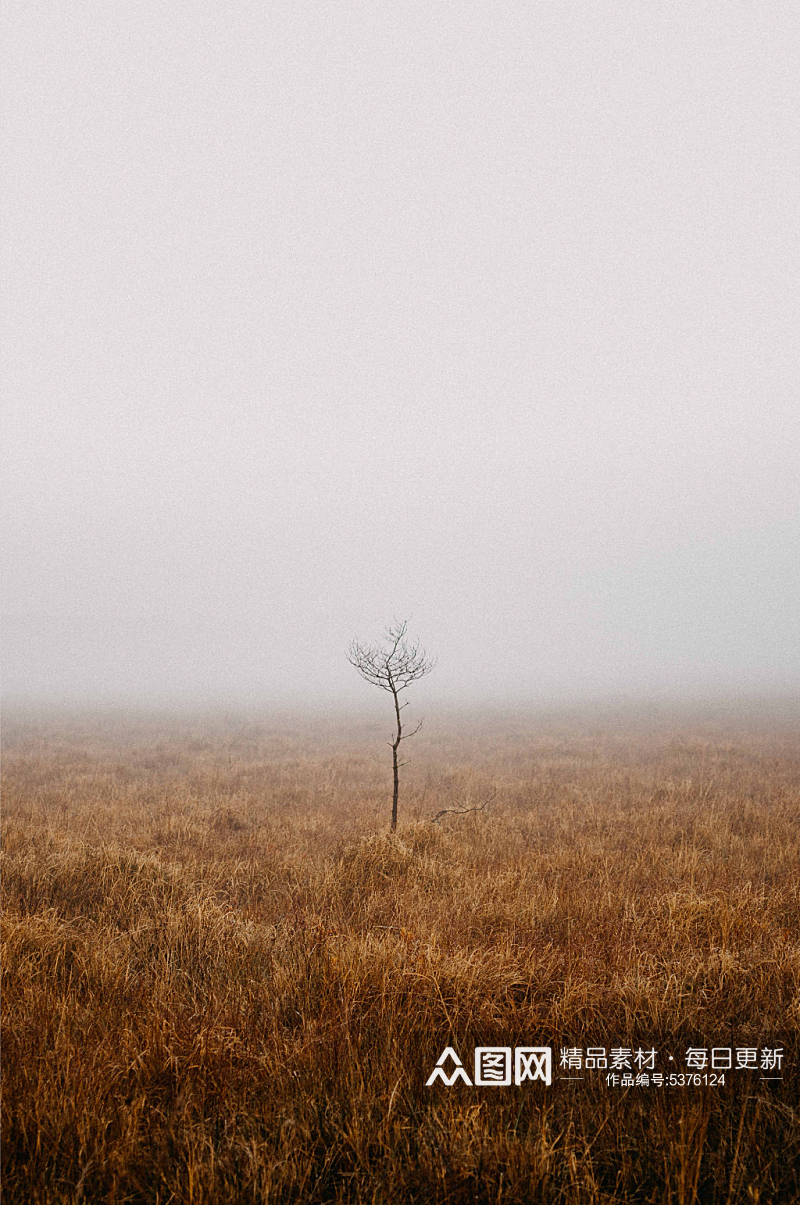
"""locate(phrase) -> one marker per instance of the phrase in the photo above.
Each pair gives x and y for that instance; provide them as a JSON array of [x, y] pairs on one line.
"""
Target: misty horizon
[[485, 317]]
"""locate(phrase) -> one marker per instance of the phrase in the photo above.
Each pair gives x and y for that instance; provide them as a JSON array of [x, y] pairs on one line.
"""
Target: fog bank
[[319, 315]]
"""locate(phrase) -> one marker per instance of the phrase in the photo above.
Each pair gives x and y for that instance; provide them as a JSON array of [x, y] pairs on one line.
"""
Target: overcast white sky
[[321, 313]]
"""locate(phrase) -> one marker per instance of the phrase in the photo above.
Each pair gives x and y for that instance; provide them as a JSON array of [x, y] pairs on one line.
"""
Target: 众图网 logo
[[493, 1067]]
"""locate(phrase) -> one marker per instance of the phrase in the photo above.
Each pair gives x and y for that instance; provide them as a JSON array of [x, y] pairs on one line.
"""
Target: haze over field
[[320, 314]]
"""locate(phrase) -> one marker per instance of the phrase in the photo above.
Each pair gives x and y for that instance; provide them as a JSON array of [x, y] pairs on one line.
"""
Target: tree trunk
[[396, 787], [395, 747]]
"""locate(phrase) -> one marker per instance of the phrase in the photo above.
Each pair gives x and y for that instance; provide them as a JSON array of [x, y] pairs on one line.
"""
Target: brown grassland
[[224, 981]]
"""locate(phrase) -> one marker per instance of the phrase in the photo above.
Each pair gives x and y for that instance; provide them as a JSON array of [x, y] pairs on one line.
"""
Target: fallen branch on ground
[[461, 811]]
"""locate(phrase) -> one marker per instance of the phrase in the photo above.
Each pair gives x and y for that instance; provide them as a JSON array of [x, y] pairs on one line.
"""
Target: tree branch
[[461, 811]]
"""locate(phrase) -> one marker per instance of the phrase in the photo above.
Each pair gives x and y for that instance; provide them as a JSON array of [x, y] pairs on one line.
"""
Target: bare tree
[[393, 665]]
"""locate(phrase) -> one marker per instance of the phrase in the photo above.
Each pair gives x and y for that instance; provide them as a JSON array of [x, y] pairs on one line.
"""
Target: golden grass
[[224, 981]]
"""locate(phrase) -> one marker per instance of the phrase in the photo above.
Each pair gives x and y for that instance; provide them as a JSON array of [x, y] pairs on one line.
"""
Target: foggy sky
[[317, 314]]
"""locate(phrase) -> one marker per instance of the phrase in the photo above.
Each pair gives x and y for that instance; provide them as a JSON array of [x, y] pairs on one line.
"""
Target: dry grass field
[[225, 982]]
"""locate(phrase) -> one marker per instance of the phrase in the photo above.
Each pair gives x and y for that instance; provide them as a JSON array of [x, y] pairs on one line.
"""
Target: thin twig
[[460, 811]]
